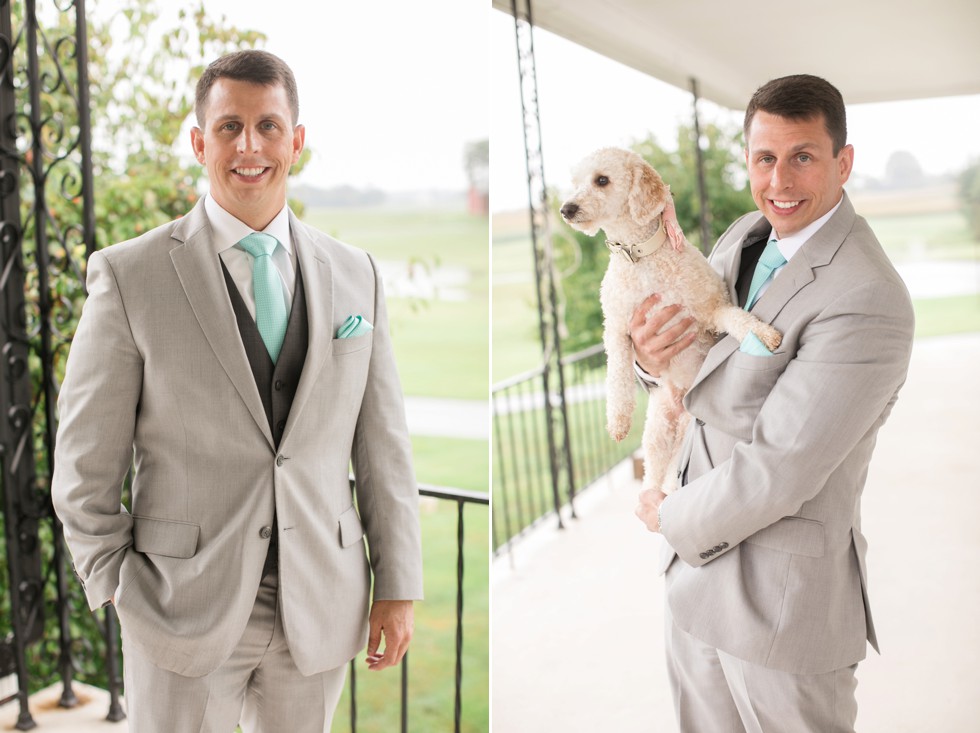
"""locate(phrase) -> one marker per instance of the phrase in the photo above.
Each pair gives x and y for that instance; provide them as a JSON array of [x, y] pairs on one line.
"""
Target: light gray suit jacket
[[768, 528], [157, 371]]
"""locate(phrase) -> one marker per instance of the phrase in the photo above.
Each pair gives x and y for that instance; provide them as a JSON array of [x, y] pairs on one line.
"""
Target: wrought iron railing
[[462, 499], [46, 232], [523, 494]]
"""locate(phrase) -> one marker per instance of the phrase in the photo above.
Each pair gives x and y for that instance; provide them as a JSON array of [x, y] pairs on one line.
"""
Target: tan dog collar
[[633, 252]]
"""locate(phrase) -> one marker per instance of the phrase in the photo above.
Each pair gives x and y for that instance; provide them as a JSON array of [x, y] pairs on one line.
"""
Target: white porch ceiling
[[872, 50]]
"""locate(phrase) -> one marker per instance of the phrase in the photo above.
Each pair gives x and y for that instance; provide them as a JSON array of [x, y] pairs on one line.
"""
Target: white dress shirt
[[228, 231], [793, 243]]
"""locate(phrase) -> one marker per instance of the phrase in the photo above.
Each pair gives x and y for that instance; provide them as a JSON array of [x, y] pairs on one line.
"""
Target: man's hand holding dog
[[654, 345], [648, 510]]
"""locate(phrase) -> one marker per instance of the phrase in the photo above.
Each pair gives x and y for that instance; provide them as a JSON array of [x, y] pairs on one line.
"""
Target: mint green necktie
[[770, 261], [270, 308]]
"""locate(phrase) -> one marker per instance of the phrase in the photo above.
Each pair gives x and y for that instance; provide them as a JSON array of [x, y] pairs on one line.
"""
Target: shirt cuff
[[647, 379]]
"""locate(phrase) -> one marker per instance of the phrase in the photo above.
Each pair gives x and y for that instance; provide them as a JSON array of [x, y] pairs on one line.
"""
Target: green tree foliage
[[142, 75], [970, 197], [581, 260]]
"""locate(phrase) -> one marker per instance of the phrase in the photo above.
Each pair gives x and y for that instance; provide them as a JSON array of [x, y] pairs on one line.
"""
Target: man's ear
[[299, 141], [845, 162], [197, 144]]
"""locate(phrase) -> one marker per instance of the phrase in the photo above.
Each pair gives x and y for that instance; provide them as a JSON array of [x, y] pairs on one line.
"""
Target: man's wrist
[[645, 376]]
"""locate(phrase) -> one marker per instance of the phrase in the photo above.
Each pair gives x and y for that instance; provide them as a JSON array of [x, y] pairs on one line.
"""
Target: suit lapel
[[799, 273], [199, 271], [316, 265], [726, 262]]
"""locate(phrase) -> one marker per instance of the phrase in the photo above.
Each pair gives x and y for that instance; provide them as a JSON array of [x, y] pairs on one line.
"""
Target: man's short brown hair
[[253, 66], [801, 97]]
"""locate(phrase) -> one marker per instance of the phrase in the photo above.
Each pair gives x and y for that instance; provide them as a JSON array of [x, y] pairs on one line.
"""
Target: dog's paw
[[769, 336], [618, 428]]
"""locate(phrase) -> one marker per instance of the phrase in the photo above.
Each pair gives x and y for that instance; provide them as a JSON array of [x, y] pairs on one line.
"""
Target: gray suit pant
[[715, 692], [259, 686]]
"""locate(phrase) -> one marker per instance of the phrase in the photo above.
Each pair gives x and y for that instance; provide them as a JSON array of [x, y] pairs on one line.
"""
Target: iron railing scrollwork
[[47, 232]]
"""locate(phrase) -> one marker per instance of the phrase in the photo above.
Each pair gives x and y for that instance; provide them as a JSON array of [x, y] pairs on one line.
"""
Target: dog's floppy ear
[[673, 227], [647, 193]]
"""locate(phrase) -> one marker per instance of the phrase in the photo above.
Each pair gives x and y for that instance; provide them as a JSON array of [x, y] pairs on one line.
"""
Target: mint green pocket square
[[752, 345], [354, 326]]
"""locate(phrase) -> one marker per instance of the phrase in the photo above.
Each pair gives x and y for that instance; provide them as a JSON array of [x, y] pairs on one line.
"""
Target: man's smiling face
[[249, 143], [793, 173]]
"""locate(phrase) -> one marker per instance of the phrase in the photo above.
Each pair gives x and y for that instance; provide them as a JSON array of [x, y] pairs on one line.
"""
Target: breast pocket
[[350, 345], [732, 396], [749, 379]]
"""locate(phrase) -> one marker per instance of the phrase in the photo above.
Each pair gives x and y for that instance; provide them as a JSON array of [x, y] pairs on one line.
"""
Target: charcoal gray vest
[[276, 382]]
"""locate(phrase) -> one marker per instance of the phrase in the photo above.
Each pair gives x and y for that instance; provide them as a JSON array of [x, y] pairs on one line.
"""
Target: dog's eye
[[602, 181]]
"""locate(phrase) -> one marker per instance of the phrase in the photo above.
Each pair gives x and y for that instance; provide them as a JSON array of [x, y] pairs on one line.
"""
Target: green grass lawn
[[940, 316], [442, 347], [449, 237], [934, 236], [515, 331]]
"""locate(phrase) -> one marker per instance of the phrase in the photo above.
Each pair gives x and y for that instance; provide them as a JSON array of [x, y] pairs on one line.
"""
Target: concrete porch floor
[[86, 717], [578, 614]]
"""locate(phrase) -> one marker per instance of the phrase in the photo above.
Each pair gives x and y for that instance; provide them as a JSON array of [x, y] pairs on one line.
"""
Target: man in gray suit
[[240, 362], [767, 604]]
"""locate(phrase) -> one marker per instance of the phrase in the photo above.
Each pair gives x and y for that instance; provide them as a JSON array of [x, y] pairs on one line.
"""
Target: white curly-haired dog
[[619, 192]]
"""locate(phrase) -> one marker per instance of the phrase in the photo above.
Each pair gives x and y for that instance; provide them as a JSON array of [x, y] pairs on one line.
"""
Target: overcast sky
[[578, 115], [390, 91]]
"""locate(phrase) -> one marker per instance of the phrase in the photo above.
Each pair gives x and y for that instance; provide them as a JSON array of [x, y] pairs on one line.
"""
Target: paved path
[[448, 418], [577, 614]]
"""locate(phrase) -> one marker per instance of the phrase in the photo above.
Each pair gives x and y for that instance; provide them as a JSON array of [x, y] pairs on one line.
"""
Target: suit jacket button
[[717, 548], [265, 533], [705, 555], [723, 545], [280, 460], [278, 385]]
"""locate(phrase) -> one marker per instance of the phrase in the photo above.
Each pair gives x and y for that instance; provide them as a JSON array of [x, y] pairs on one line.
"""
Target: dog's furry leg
[[620, 377], [663, 437], [679, 429], [738, 322], [658, 438]]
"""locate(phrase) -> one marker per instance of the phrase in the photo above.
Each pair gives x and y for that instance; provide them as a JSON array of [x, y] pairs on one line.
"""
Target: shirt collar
[[791, 244], [229, 231]]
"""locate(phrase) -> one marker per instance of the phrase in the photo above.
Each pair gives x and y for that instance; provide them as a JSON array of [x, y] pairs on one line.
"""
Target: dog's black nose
[[569, 210]]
